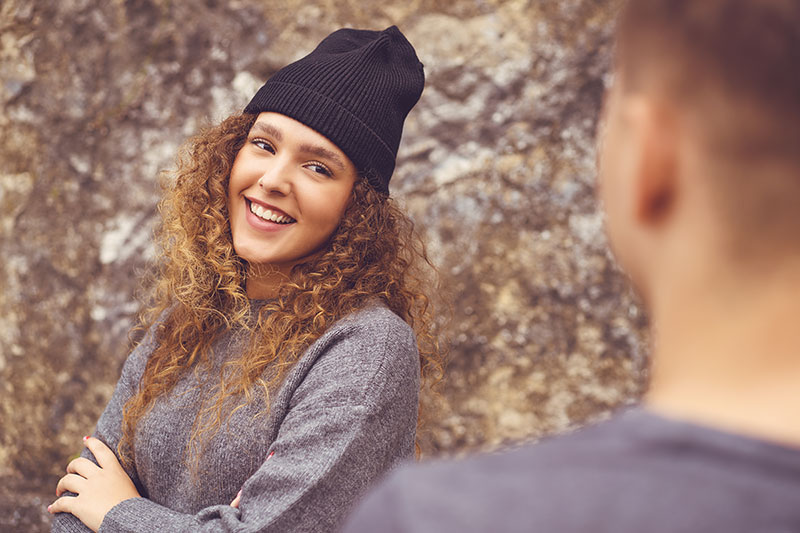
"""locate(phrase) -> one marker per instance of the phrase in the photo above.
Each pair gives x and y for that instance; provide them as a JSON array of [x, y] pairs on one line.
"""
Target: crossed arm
[[328, 449], [97, 487]]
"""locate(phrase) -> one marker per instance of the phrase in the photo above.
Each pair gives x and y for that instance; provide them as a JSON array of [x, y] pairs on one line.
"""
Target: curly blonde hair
[[198, 287]]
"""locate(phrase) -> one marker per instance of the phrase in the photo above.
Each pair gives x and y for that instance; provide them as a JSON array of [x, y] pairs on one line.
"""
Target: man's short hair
[[733, 68], [741, 57]]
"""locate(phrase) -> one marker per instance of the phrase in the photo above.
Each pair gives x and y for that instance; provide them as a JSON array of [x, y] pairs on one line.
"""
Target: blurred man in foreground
[[700, 180]]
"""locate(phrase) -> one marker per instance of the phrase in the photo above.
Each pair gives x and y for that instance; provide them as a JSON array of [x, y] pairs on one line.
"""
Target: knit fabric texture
[[344, 416], [356, 88]]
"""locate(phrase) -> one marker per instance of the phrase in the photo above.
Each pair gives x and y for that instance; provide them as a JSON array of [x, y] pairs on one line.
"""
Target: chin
[[253, 255], [260, 259]]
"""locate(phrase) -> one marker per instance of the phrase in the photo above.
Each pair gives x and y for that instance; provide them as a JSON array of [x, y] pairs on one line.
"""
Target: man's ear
[[656, 180]]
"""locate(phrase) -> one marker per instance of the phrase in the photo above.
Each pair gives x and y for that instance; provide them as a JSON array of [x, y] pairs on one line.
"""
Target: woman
[[280, 362]]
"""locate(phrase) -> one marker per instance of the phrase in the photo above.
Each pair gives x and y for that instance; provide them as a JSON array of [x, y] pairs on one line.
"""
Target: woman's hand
[[98, 488], [236, 500]]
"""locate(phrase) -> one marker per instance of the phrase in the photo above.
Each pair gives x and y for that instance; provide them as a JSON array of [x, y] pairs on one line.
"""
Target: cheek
[[325, 208], [231, 202], [235, 179], [236, 184]]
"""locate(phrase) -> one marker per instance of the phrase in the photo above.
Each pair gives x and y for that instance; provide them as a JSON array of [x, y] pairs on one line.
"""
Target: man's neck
[[728, 355]]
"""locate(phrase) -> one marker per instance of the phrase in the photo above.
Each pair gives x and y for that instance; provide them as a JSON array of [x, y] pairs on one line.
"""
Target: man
[[700, 179]]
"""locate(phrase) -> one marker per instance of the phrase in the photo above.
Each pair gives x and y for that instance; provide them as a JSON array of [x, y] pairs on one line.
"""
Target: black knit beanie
[[356, 88]]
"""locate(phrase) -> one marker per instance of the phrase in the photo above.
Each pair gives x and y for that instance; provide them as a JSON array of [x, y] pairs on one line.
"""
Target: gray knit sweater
[[345, 414]]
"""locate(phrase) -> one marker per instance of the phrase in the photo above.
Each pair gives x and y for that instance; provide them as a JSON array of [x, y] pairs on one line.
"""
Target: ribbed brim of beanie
[[356, 88]]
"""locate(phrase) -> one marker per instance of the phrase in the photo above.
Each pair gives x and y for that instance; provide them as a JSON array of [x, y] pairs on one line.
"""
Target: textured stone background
[[497, 168]]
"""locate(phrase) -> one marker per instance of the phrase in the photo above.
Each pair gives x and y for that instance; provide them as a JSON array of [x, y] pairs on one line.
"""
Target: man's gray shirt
[[638, 472]]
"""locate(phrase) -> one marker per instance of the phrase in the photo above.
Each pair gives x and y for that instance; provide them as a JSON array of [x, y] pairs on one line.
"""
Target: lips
[[269, 213]]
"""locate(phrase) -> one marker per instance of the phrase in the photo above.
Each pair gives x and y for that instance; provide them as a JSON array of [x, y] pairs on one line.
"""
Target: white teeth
[[266, 214]]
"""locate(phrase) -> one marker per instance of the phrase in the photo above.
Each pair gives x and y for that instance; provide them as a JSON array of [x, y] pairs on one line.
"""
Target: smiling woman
[[288, 190], [289, 331]]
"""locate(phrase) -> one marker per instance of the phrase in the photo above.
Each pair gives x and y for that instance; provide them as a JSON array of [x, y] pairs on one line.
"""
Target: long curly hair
[[197, 290]]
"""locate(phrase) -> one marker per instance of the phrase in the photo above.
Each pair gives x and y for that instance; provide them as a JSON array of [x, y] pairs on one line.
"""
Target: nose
[[276, 179]]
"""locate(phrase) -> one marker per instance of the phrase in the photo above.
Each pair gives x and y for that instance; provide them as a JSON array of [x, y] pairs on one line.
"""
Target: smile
[[266, 214]]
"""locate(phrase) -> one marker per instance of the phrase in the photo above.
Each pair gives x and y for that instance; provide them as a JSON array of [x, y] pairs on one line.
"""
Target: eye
[[264, 145], [319, 168]]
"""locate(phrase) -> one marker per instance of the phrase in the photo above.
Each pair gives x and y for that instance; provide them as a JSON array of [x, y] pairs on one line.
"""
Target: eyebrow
[[318, 151], [323, 153], [268, 129]]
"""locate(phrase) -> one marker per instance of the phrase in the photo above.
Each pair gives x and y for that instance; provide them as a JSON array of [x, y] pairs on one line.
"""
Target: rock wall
[[496, 167]]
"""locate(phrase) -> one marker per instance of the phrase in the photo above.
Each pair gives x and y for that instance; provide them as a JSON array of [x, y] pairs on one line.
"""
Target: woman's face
[[288, 190]]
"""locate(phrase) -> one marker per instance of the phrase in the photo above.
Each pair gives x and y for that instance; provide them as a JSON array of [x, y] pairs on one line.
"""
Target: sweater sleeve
[[350, 419], [109, 426]]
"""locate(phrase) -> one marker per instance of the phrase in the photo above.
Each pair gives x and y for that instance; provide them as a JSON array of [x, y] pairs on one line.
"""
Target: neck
[[728, 354], [264, 281]]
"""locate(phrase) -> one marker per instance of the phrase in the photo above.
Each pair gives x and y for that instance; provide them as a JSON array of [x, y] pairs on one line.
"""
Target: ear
[[656, 177]]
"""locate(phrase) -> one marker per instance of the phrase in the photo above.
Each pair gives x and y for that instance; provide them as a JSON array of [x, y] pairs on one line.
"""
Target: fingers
[[82, 466], [236, 500], [72, 483], [105, 457], [62, 505]]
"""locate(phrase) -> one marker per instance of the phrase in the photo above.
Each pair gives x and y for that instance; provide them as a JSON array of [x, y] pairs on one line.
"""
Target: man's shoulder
[[511, 469], [617, 475], [632, 443], [476, 493]]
